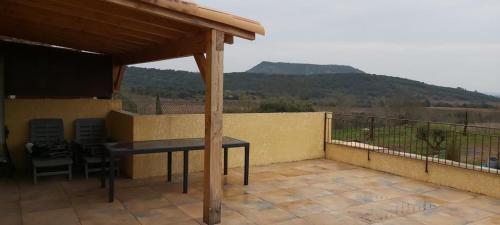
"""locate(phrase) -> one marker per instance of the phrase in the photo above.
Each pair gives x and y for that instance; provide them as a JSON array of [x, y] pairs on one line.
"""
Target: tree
[[432, 137], [159, 110]]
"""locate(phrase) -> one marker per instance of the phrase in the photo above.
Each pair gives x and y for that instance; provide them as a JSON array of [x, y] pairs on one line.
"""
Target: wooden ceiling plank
[[183, 18], [30, 32], [68, 20], [128, 14], [84, 34], [98, 17]]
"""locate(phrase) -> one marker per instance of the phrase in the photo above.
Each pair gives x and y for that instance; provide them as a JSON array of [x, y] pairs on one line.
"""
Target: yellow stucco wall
[[18, 112], [274, 137], [468, 180]]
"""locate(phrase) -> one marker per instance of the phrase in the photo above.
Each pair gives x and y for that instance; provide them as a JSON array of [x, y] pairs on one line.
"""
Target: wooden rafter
[[120, 19], [70, 20], [181, 48], [126, 15], [58, 38], [75, 26]]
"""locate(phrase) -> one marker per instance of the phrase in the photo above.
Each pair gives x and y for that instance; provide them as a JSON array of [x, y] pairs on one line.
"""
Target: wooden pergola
[[138, 31]]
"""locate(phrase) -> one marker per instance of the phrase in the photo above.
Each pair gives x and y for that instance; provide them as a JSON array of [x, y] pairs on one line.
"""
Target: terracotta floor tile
[[332, 219], [267, 215], [492, 220], [28, 206], [163, 216], [232, 190], [280, 196], [485, 203], [231, 217], [415, 186], [9, 208], [256, 187], [47, 190], [244, 202], [303, 208], [336, 202], [11, 219], [292, 172], [178, 198], [295, 221], [437, 217], [108, 216], [407, 205], [335, 187], [194, 210], [468, 213], [399, 221], [308, 192], [52, 217], [127, 194], [370, 213], [450, 195], [146, 203], [364, 196]]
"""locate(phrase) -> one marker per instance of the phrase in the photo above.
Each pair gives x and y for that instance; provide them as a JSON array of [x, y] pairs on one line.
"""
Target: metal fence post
[[427, 151]]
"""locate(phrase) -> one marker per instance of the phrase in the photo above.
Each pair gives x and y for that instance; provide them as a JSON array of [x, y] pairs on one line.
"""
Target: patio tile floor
[[306, 192]]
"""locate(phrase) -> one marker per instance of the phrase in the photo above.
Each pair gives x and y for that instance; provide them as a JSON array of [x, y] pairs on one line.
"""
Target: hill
[[300, 69], [349, 89]]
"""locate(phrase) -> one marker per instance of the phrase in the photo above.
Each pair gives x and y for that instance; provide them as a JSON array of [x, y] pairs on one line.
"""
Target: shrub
[[285, 105]]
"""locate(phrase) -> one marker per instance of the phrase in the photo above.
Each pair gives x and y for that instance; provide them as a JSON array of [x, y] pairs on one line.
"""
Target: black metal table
[[169, 146]]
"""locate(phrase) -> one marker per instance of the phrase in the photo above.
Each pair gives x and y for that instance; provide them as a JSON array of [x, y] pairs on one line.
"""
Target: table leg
[[247, 162], [185, 172], [103, 170], [169, 167], [225, 160], [111, 178]]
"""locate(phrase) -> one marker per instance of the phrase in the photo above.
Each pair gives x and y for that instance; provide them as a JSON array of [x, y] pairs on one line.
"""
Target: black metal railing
[[461, 145]]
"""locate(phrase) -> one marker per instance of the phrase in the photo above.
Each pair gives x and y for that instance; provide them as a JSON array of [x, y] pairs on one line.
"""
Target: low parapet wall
[[451, 176], [274, 138]]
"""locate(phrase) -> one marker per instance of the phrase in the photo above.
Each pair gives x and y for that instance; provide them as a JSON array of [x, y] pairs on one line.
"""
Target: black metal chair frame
[[6, 158], [90, 136], [48, 131]]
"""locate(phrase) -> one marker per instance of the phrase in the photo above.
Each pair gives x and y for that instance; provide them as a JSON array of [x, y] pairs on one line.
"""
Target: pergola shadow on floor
[[304, 192]]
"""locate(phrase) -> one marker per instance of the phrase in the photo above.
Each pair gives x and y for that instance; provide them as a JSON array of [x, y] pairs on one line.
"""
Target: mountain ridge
[[284, 68], [356, 89]]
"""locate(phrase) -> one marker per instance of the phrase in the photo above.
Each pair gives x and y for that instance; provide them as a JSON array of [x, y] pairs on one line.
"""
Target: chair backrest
[[46, 130], [90, 131]]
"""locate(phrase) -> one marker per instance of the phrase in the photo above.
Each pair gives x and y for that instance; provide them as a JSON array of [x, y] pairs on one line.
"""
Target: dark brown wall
[[44, 72]]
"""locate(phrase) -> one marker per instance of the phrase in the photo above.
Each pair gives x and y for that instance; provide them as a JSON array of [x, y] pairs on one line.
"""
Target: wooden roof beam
[[176, 49], [183, 18]]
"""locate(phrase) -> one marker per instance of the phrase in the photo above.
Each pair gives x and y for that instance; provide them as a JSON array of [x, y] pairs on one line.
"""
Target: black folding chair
[[48, 131], [90, 136], [5, 159]]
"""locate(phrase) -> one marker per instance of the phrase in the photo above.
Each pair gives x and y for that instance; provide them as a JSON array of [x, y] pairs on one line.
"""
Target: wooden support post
[[213, 76]]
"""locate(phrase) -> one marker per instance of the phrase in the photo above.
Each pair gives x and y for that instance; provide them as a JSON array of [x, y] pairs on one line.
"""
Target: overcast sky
[[454, 43]]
